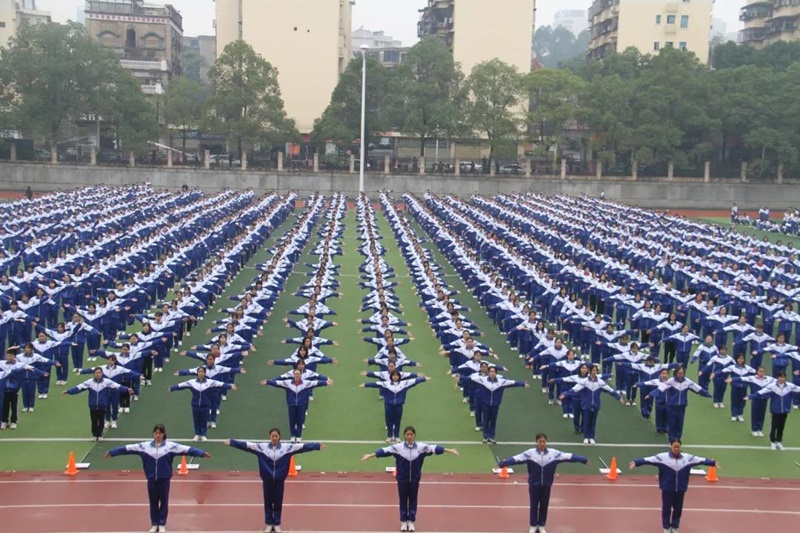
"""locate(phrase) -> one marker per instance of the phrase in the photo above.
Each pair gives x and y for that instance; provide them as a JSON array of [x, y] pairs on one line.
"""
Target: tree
[[51, 74], [425, 103], [495, 94], [555, 102], [184, 103], [195, 67], [132, 114], [246, 105], [341, 120]]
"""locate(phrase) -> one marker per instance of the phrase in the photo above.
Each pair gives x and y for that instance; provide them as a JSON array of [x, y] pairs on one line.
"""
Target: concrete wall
[[663, 194]]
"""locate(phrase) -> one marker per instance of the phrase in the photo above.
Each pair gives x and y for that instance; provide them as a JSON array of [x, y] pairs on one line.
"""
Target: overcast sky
[[397, 17]]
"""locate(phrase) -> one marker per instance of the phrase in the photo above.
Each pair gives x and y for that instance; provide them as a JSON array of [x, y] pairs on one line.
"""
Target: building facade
[[147, 38], [206, 47], [573, 20], [8, 20], [374, 39], [479, 30], [770, 21], [308, 41], [14, 13], [650, 25]]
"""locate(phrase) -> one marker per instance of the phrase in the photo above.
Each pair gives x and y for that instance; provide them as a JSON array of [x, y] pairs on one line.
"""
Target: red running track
[[231, 502]]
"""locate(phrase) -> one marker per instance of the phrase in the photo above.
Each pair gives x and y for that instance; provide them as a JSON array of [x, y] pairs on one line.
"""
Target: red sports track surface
[[232, 502]]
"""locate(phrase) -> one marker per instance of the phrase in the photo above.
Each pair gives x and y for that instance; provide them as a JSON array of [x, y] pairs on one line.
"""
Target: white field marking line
[[443, 443], [394, 506], [521, 483]]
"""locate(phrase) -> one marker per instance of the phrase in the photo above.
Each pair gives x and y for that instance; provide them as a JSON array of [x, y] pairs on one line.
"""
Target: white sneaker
[[24, 409], [127, 409], [107, 425], [565, 415], [734, 419], [217, 411], [478, 428], [40, 396], [472, 414], [203, 438], [196, 438], [721, 406], [113, 424], [3, 425], [30, 409], [411, 526], [135, 399], [403, 526], [299, 440], [780, 446], [760, 433], [544, 390], [740, 418], [533, 529], [755, 433], [225, 399], [541, 530], [12, 425], [99, 439], [162, 529], [388, 440], [153, 529], [586, 441], [276, 529], [267, 529], [571, 415], [592, 441], [773, 446]]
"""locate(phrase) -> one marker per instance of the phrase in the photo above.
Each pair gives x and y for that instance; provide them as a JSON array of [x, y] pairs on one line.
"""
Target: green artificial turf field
[[350, 419]]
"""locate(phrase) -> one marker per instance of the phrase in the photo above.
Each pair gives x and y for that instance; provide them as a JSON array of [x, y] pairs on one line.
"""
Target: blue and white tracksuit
[[493, 396], [677, 392], [588, 392], [202, 395], [541, 473], [297, 395], [157, 464], [394, 397], [408, 464], [673, 480]]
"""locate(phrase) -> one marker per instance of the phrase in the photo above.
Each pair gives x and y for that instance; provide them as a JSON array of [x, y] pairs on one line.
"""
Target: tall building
[[8, 17], [148, 38], [206, 47], [374, 39], [308, 41], [14, 13], [481, 30], [27, 13], [650, 25], [573, 20], [770, 21]]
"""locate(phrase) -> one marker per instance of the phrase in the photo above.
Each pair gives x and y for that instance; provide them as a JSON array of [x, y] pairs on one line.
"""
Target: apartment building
[[650, 25], [308, 41], [770, 21], [14, 13], [148, 38], [479, 30]]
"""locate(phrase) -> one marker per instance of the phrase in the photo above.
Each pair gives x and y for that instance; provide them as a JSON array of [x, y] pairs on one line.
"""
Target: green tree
[[246, 105], [184, 103], [341, 120], [557, 47], [195, 67], [555, 103], [425, 103], [495, 96], [134, 116]]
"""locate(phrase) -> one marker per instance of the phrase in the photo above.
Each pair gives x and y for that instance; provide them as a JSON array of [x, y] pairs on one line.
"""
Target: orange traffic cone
[[504, 473], [612, 470], [72, 470], [711, 477], [292, 468], [183, 470]]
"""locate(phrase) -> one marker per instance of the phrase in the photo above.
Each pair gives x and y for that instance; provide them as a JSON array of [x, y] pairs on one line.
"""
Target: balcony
[[129, 64], [151, 90], [752, 35], [671, 7], [756, 10]]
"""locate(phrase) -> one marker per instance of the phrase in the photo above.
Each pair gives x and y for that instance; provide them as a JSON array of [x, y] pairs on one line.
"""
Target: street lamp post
[[364, 49]]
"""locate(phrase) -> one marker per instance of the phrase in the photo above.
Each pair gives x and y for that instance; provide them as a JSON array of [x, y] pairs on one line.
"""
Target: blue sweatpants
[[408, 492], [273, 501], [540, 501], [671, 508], [676, 415], [158, 493], [393, 415]]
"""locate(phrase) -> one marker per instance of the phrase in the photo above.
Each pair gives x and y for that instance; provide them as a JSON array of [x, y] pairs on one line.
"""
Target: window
[[682, 46], [130, 38], [658, 19], [2, 24], [684, 21], [670, 19], [656, 46], [668, 44]]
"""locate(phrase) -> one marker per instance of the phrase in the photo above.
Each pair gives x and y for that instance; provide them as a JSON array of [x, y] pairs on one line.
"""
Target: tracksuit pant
[[29, 393], [297, 417], [662, 417], [646, 406], [10, 401], [158, 494], [671, 508], [98, 418], [273, 501], [676, 415], [76, 351], [590, 422], [720, 386], [408, 492], [540, 501], [758, 412], [490, 420], [776, 427], [737, 400], [200, 419], [393, 415], [62, 372], [113, 406]]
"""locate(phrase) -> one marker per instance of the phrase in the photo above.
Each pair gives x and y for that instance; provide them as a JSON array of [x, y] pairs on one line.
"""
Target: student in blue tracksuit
[[587, 394], [674, 469], [202, 397], [542, 463], [676, 390], [662, 412], [758, 405], [157, 456], [493, 386], [409, 457], [273, 467], [394, 398], [99, 388], [298, 392], [780, 394]]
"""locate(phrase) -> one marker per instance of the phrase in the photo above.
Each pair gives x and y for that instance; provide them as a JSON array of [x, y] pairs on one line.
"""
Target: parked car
[[224, 161], [40, 154], [470, 167], [512, 168]]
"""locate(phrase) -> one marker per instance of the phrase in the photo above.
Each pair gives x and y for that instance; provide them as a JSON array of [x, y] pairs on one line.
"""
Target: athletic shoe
[[586, 441], [300, 440], [549, 402], [24, 409], [533, 529], [135, 399], [633, 404], [472, 414], [740, 418], [734, 419], [127, 409], [40, 396], [493, 441], [485, 441], [411, 526], [592, 441], [779, 445], [154, 529], [107, 425], [99, 439], [30, 409], [668, 531], [796, 407], [196, 438], [212, 425], [224, 398], [3, 425], [464, 400], [755, 433], [541, 530], [162, 529], [760, 433], [478, 428], [12, 425], [773, 446], [403, 526], [217, 411], [722, 406], [388, 440], [565, 415], [267, 529], [544, 390], [571, 415], [276, 529], [203, 438], [113, 424]]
